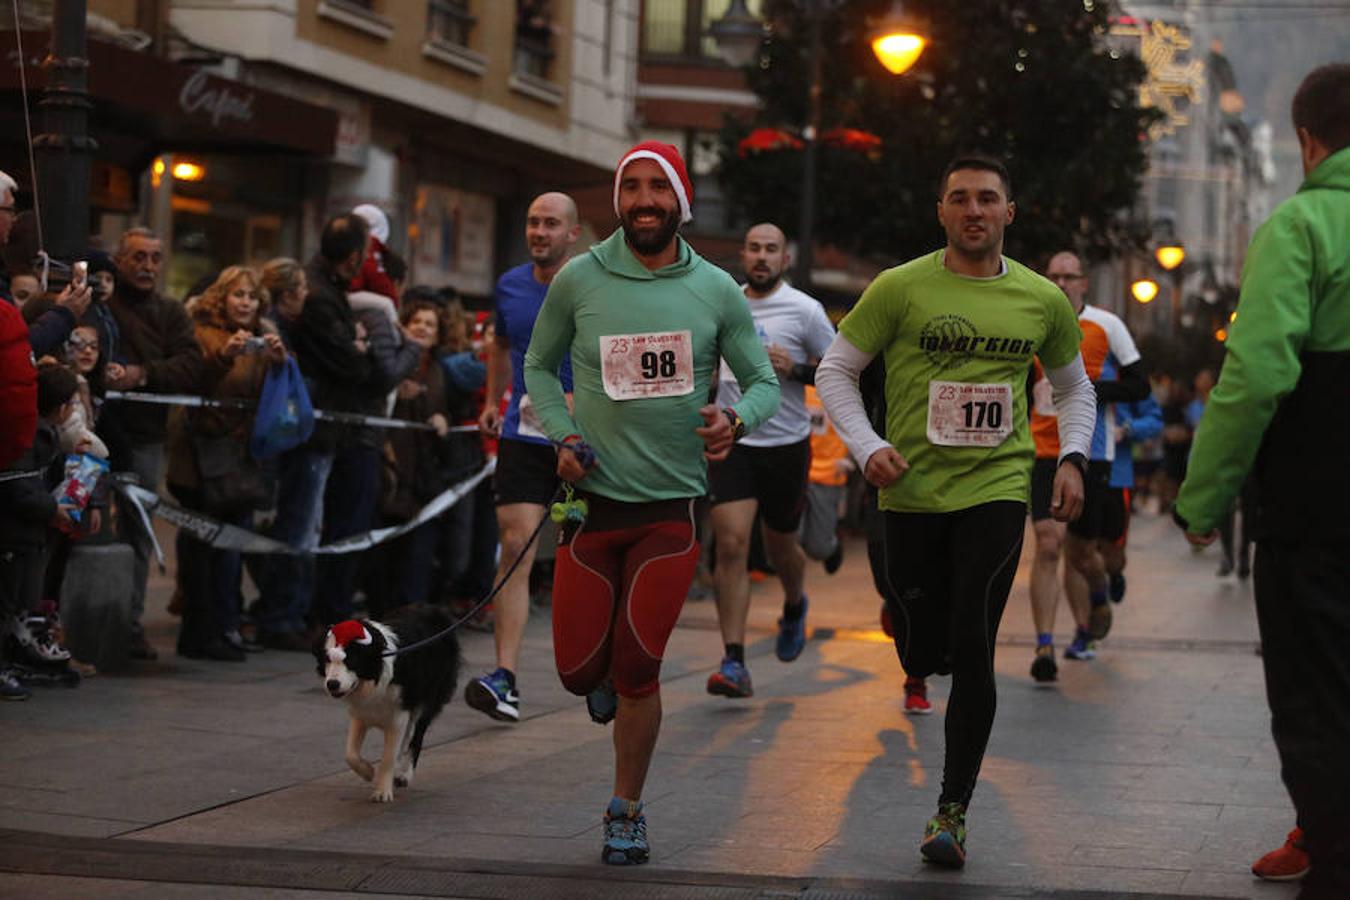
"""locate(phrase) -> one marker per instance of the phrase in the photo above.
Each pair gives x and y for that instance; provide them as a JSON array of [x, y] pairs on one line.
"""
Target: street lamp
[[898, 40], [63, 150], [1144, 290], [737, 34], [897, 43], [1169, 256]]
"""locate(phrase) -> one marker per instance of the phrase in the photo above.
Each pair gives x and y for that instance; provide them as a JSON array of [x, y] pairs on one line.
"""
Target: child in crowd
[[27, 507]]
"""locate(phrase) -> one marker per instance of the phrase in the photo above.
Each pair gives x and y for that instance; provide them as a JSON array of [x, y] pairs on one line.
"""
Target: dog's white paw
[[382, 794]]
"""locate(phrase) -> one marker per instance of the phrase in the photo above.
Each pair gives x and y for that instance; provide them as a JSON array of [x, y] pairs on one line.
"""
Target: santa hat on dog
[[349, 632], [671, 163]]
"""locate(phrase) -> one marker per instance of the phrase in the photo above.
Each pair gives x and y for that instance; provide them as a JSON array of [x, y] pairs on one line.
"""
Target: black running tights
[[950, 574]]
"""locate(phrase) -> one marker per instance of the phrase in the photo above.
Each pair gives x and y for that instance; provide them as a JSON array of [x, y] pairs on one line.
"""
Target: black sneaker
[[1044, 669], [242, 642], [835, 559], [139, 648], [1117, 587], [11, 689], [602, 704]]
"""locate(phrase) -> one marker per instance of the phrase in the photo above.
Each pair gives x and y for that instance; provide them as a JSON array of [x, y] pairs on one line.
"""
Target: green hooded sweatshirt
[[1282, 398], [644, 346]]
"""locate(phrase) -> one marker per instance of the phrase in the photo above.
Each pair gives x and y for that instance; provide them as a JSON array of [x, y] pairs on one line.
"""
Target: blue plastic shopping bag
[[285, 416]]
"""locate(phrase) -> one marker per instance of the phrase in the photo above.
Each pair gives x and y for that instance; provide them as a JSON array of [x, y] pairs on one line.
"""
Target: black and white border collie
[[399, 695]]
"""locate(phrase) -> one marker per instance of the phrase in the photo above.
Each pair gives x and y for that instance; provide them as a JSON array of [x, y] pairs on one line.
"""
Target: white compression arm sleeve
[[837, 384], [1075, 407]]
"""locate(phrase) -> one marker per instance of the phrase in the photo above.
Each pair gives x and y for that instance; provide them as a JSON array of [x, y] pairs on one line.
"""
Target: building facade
[[450, 115], [1208, 185]]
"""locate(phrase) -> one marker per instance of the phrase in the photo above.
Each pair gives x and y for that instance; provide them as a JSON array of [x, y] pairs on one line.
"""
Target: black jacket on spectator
[[26, 501], [324, 343], [156, 333]]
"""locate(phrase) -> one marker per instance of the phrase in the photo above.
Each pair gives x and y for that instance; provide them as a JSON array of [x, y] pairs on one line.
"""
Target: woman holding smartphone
[[210, 468]]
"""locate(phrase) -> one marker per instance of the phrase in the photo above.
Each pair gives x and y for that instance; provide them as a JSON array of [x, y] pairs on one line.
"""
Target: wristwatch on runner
[[1078, 460], [737, 423]]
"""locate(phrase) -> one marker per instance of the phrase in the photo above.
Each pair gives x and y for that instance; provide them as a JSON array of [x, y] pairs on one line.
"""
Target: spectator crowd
[[79, 362]]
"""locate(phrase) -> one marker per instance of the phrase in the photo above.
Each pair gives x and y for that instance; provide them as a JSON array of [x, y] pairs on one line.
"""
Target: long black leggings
[[950, 575]]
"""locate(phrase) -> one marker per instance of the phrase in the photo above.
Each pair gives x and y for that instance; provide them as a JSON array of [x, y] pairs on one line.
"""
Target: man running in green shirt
[[958, 329], [646, 321]]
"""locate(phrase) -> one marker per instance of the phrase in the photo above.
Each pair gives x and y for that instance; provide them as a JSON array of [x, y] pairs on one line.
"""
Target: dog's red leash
[[515, 564]]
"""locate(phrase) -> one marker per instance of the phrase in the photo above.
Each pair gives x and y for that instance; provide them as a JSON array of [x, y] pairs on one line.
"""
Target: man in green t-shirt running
[[958, 329], [646, 321]]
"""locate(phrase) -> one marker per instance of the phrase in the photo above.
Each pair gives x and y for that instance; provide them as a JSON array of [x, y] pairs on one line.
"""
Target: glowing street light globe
[[1169, 256], [897, 52], [1144, 290], [898, 40]]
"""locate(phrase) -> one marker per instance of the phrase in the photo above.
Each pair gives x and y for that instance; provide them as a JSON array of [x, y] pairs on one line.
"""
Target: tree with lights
[[1034, 82]]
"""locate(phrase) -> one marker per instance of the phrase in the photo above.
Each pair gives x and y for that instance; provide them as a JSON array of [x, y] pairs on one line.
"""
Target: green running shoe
[[944, 840]]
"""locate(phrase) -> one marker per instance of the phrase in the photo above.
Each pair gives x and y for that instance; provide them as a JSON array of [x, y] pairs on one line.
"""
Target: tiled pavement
[[1149, 771]]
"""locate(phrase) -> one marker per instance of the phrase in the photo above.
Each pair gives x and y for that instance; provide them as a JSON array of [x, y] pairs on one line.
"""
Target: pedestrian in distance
[[958, 329], [645, 320], [1276, 414]]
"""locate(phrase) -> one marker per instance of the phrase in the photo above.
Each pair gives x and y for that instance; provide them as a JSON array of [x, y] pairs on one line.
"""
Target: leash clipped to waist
[[563, 506]]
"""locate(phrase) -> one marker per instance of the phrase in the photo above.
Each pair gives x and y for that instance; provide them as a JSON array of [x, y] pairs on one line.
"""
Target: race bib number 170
[[969, 415], [639, 366]]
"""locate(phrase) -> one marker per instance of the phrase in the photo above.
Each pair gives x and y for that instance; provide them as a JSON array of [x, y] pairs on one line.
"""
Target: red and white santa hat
[[349, 632], [670, 161]]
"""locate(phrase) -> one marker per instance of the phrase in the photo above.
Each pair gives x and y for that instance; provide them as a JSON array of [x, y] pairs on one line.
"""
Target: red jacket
[[372, 276], [18, 386]]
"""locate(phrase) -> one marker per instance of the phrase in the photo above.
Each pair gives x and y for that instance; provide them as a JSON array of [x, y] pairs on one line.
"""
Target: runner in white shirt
[[766, 471]]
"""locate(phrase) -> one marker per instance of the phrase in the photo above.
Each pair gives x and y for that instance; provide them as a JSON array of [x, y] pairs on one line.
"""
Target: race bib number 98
[[969, 415], [639, 366]]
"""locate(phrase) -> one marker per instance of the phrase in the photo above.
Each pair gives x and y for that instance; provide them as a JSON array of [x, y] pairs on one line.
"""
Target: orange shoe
[[1288, 863]]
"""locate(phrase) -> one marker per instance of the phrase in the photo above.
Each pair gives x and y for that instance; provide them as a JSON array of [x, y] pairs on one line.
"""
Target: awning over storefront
[[142, 105]]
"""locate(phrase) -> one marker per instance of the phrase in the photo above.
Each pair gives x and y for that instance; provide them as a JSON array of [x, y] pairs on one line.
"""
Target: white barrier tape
[[340, 418], [223, 536]]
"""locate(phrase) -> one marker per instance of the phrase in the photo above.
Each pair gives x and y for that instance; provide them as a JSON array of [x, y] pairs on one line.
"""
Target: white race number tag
[[639, 366], [969, 415], [529, 424]]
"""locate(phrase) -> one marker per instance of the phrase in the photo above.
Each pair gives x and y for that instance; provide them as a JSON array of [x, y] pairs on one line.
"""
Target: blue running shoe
[[625, 834], [602, 703], [732, 679], [494, 695], [944, 840], [1082, 647], [791, 636]]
